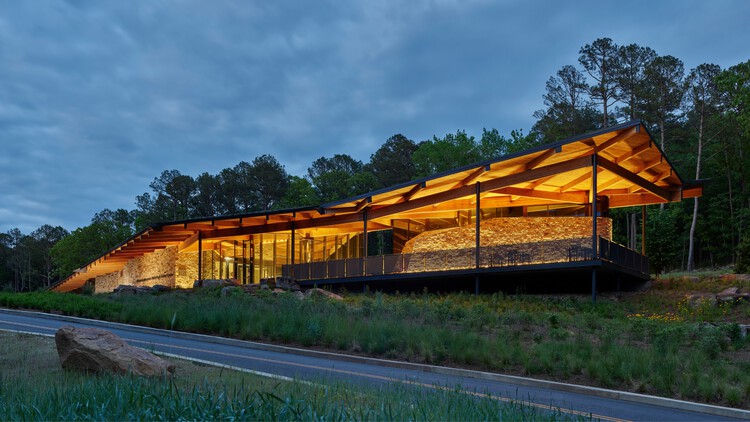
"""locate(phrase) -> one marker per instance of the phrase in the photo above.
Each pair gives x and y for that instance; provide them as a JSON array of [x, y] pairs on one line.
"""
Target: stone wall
[[186, 268], [504, 242], [153, 268], [508, 231]]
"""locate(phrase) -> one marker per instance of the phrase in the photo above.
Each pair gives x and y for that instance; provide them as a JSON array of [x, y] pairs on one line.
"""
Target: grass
[[655, 342], [34, 387]]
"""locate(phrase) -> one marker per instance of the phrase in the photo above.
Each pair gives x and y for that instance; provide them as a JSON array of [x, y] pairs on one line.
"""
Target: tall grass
[[644, 345], [35, 388]]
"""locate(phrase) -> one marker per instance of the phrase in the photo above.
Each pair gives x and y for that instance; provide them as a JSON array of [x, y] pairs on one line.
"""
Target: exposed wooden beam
[[692, 192], [177, 229], [535, 162], [363, 203], [618, 138], [633, 178], [413, 191], [537, 173], [648, 165], [578, 180], [634, 199], [576, 198], [661, 176], [189, 241], [471, 177], [489, 185], [607, 183], [609, 192], [539, 182], [285, 226], [633, 152]]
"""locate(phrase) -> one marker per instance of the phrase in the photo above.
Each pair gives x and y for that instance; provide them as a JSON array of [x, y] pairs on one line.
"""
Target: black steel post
[[593, 285], [643, 230], [200, 259], [292, 224], [593, 206], [364, 242], [594, 228], [477, 218]]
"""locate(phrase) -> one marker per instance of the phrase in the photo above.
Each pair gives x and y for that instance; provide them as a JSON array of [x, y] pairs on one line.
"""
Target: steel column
[[643, 230], [477, 218], [200, 259], [364, 242], [593, 207], [292, 224], [594, 239]]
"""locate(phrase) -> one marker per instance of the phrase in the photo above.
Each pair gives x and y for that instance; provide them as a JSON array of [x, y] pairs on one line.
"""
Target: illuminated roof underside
[[632, 170]]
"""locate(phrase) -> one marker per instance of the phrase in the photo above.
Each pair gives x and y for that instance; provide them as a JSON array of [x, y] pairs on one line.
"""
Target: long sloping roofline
[[633, 171]]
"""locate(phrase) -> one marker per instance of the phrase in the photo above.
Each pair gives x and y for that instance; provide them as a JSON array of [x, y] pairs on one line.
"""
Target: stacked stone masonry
[[509, 231], [147, 270], [186, 271], [505, 241]]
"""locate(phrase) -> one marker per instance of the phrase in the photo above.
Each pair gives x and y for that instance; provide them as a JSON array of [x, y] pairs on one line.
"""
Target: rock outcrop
[[100, 351]]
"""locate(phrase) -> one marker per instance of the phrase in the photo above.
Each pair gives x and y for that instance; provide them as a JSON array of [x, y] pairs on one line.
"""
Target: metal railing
[[621, 255], [553, 251]]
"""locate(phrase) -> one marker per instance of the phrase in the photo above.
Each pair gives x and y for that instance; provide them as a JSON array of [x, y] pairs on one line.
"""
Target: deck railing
[[623, 256], [553, 251]]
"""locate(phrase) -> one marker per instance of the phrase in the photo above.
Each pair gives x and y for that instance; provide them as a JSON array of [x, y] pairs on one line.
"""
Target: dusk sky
[[99, 97]]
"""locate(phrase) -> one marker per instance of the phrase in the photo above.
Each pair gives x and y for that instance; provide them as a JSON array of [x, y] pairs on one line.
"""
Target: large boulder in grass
[[100, 351], [287, 283], [125, 290]]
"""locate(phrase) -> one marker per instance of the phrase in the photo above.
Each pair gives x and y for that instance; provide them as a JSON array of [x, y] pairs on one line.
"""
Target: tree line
[[700, 118]]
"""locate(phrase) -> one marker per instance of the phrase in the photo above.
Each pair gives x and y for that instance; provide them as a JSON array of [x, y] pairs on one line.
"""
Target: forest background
[[700, 117]]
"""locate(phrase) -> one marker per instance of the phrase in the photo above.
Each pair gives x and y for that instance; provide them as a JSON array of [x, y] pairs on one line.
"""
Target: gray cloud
[[99, 97]]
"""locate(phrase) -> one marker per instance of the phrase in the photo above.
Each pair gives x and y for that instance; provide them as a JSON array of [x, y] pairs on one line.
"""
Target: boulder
[[270, 282], [125, 290], [287, 283], [322, 293], [159, 288], [215, 283], [100, 351], [299, 295], [730, 291], [695, 301]]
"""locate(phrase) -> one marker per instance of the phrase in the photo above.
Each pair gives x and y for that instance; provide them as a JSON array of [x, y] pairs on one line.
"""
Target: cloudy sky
[[98, 97]]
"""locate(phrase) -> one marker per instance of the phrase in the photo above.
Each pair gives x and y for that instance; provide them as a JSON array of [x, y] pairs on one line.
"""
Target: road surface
[[317, 368]]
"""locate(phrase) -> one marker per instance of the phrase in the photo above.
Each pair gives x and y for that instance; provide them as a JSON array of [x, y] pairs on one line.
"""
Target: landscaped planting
[[653, 343]]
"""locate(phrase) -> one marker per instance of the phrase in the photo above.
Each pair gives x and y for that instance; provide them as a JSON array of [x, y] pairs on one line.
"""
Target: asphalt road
[[319, 369]]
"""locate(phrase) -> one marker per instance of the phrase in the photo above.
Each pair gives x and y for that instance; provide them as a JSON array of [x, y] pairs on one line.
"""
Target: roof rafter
[[633, 178], [577, 198]]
